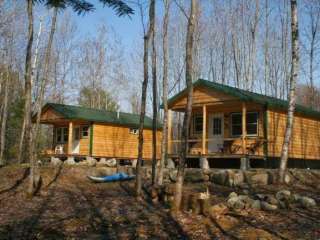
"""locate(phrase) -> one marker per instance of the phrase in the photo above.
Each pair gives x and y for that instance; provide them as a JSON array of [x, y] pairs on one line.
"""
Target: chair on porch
[[59, 149]]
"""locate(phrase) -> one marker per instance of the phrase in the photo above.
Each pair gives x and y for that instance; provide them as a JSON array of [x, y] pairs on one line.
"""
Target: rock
[[271, 200], [259, 179], [134, 163], [70, 161], [219, 177], [268, 207], [256, 204], [218, 209], [235, 203], [238, 179], [173, 175], [170, 163], [260, 196], [194, 176], [91, 161], [204, 164], [206, 178], [272, 176], [283, 204], [245, 198], [230, 178], [232, 194], [307, 202], [283, 195], [287, 178], [55, 161], [102, 161], [246, 191], [112, 162], [296, 197]]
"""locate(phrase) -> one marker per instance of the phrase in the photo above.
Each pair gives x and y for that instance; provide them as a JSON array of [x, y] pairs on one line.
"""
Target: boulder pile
[[283, 199], [235, 178]]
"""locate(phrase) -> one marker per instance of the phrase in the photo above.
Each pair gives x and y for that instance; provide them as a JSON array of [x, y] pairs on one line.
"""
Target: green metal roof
[[244, 95], [96, 115]]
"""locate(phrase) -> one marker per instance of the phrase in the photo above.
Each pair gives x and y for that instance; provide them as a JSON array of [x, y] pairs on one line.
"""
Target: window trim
[[62, 131], [134, 131], [81, 131], [194, 117], [239, 113]]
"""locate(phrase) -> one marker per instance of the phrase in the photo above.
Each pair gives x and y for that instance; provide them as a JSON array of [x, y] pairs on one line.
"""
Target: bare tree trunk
[[27, 109], [292, 96], [164, 141], [154, 93], [187, 115], [21, 141], [4, 118], [34, 64], [143, 103], [44, 81]]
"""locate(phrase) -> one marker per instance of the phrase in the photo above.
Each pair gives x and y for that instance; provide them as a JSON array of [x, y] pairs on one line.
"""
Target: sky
[[129, 29]]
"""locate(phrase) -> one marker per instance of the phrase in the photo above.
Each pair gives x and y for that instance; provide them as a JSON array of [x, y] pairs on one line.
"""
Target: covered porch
[[224, 129], [69, 138]]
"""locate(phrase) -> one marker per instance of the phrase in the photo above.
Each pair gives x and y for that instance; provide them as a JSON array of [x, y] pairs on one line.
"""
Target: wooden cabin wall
[[201, 96], [117, 141], [84, 145], [305, 136]]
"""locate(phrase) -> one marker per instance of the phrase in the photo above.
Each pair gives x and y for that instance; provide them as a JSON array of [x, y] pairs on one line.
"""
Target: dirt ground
[[69, 206]]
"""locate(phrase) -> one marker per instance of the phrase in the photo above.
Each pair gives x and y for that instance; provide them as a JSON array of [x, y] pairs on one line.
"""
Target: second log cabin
[[229, 124], [80, 132]]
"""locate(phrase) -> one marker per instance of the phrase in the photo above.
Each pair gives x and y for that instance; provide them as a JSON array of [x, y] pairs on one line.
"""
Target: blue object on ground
[[112, 178]]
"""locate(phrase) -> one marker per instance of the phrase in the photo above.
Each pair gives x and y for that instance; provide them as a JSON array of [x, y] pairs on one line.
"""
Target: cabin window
[[217, 130], [251, 125], [197, 123], [62, 134], [84, 131], [134, 131]]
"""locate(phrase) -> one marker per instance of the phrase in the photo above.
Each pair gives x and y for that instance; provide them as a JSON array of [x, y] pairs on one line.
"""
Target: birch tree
[[292, 95], [165, 48]]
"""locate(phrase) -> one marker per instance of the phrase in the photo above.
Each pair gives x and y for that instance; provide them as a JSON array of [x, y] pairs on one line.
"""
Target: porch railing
[[229, 146]]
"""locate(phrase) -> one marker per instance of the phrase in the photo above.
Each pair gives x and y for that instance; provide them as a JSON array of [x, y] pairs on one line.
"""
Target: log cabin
[[80, 132], [232, 127]]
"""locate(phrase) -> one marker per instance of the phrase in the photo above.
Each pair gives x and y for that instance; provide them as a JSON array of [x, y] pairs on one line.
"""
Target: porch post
[[169, 131], [244, 164], [244, 127], [204, 128], [70, 138]]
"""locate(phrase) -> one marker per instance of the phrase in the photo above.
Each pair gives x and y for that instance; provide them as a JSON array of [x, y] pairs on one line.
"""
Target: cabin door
[[216, 132], [76, 140]]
